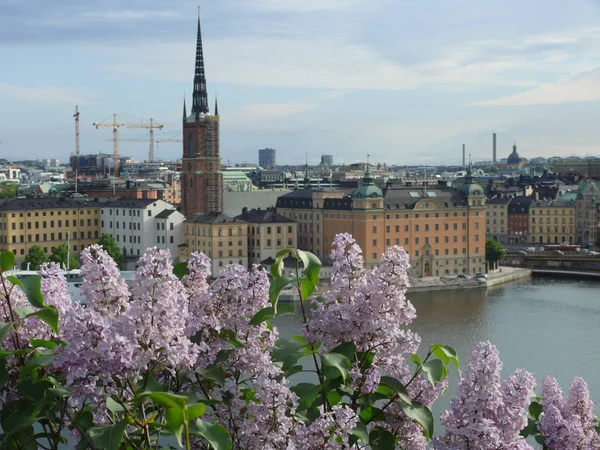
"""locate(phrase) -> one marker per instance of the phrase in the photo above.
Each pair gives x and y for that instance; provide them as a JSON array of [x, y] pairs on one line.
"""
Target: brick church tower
[[201, 179]]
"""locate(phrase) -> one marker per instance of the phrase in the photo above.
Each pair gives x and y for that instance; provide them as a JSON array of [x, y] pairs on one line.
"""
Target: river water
[[545, 325]]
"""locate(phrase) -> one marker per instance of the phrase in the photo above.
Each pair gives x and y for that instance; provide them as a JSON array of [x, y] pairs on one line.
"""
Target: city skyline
[[408, 83]]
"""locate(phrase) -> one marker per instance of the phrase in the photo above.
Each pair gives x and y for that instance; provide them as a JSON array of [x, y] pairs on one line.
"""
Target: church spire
[[216, 106], [200, 96], [184, 109]]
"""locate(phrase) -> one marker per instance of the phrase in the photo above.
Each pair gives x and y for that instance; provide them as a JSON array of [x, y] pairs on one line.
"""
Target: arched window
[[220, 232], [190, 147], [239, 233]]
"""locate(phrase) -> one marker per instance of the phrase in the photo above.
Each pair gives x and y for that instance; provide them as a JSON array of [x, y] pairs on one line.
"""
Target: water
[[547, 326]]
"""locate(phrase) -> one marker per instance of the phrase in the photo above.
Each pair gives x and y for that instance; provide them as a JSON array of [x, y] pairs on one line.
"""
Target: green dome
[[470, 187], [368, 188]]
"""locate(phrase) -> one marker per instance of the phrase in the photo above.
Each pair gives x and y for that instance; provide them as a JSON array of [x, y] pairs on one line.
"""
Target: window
[[149, 213], [158, 226], [268, 242], [171, 226], [417, 241], [375, 229], [417, 227], [374, 242], [374, 255]]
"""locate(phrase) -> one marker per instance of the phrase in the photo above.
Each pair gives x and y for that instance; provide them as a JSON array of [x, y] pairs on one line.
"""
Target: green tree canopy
[[35, 258], [8, 189], [111, 247], [494, 251], [60, 255]]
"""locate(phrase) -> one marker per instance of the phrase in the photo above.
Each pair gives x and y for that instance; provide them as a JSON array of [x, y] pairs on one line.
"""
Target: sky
[[405, 81]]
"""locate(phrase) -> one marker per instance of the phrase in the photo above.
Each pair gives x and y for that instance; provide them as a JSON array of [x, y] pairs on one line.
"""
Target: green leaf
[[167, 399], [371, 414], [338, 365], [530, 429], [307, 394], [196, 410], [333, 398], [312, 266], [299, 339], [422, 415], [284, 309], [216, 435], [180, 270], [3, 373], [446, 354], [32, 287], [113, 406], [107, 437], [416, 359], [35, 363], [231, 338], [277, 285], [293, 370], [346, 348], [24, 311], [307, 287], [434, 369], [262, 315], [397, 386], [380, 439], [48, 315], [361, 432], [535, 409], [43, 343], [7, 261], [286, 353], [175, 421], [4, 328], [277, 267], [215, 373]]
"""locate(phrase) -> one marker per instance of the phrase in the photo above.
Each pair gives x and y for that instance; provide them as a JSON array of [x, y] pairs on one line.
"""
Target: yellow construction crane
[[151, 124], [152, 142]]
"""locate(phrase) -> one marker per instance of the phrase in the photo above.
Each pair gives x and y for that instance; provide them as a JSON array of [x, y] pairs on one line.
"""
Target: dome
[[470, 187], [368, 188], [514, 157]]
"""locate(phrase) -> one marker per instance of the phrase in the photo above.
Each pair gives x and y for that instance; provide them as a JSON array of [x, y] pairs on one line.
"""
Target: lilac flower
[[104, 289], [568, 424], [487, 413], [330, 431]]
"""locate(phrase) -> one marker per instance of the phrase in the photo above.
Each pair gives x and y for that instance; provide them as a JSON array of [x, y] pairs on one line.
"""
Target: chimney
[[494, 147], [245, 211], [463, 156]]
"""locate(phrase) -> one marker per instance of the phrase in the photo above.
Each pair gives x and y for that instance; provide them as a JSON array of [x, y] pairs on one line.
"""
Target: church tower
[[201, 179]]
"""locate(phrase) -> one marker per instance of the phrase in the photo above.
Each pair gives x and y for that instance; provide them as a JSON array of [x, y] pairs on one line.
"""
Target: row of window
[[59, 223], [202, 231], [51, 213], [256, 242], [75, 247], [256, 230], [53, 237]]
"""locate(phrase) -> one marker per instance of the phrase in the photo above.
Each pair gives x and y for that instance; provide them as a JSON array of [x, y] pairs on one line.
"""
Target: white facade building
[[137, 224]]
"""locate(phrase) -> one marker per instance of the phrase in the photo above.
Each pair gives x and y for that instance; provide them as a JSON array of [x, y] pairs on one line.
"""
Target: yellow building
[[220, 237], [552, 222], [49, 222], [268, 232]]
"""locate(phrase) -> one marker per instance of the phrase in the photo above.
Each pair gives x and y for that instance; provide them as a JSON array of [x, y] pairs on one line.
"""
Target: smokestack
[[463, 155], [494, 144]]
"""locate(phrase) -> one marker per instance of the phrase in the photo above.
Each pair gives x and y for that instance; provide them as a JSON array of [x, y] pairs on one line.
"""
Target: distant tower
[[494, 147], [267, 157], [463, 156], [327, 159], [201, 180]]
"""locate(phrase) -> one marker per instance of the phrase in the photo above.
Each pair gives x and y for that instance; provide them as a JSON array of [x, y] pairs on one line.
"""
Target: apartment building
[[49, 222], [496, 221], [552, 222], [222, 238], [268, 233], [137, 224], [518, 219], [442, 228]]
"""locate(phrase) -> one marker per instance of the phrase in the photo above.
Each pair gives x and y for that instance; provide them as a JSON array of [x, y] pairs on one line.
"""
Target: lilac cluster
[[488, 413], [330, 431], [571, 423]]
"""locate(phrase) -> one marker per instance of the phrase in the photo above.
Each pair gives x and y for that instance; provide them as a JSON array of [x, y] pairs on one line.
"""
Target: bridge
[[552, 263]]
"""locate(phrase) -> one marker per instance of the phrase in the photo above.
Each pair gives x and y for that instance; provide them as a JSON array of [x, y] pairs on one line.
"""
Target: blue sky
[[407, 81]]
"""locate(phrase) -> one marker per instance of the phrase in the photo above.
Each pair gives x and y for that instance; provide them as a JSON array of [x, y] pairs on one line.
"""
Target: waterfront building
[[442, 228], [576, 167], [586, 213], [267, 158], [201, 178], [268, 233], [49, 222], [518, 219], [137, 224], [222, 238], [496, 221], [552, 222]]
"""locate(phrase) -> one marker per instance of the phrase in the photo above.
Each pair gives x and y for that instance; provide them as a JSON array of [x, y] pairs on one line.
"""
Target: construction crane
[[116, 125], [152, 142]]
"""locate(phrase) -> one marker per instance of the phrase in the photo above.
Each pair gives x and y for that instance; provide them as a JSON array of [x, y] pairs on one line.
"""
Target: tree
[[110, 246], [60, 255], [8, 189], [494, 251], [35, 258]]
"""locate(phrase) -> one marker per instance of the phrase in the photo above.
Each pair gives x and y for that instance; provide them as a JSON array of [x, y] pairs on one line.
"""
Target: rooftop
[[216, 218], [263, 216], [22, 204]]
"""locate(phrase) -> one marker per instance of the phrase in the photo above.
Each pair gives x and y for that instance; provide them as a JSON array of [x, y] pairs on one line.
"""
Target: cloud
[[47, 94], [268, 112], [311, 6], [580, 88]]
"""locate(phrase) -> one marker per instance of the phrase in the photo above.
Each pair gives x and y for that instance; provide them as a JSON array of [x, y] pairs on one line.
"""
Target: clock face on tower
[[189, 166], [208, 166]]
